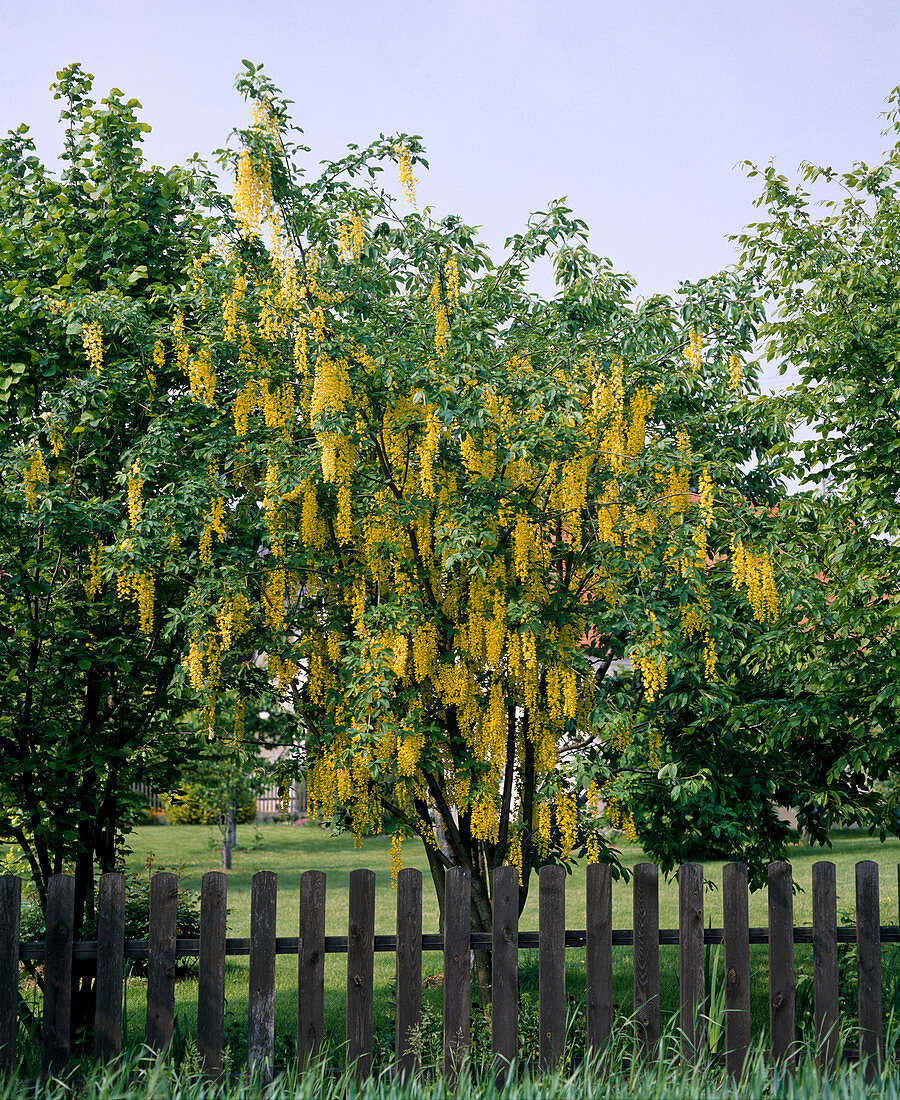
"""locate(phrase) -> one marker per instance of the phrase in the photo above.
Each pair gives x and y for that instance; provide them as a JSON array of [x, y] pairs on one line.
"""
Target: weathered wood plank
[[311, 966], [598, 956], [211, 984], [782, 996], [110, 967], [457, 926], [736, 922], [646, 958], [409, 970], [261, 1006], [692, 982], [505, 974], [161, 960], [361, 972], [825, 963], [57, 1020], [10, 920], [552, 965], [868, 958]]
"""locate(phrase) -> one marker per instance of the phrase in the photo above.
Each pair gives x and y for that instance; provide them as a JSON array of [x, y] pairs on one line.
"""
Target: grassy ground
[[290, 850]]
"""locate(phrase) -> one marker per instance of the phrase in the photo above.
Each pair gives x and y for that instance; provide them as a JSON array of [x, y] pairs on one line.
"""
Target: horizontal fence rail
[[163, 947]]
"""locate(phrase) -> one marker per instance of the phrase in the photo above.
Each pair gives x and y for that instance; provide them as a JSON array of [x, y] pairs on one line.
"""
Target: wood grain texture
[[360, 972], [211, 981], [868, 960], [782, 995], [598, 956], [505, 974], [736, 922], [457, 926], [552, 965], [409, 970], [10, 921], [646, 958], [261, 1000], [161, 960], [110, 967], [57, 1020], [311, 966], [825, 963], [691, 976]]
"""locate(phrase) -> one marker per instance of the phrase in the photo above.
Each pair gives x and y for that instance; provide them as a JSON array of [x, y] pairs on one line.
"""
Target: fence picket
[[691, 981], [736, 930], [646, 958], [868, 956], [781, 963], [457, 930], [110, 967], [10, 918], [409, 970], [211, 983], [598, 960], [161, 960], [261, 995], [311, 966], [361, 972], [505, 973], [57, 1022], [552, 965], [825, 962]]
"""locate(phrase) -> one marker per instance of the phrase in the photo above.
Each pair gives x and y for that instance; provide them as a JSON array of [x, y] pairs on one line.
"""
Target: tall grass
[[615, 1075]]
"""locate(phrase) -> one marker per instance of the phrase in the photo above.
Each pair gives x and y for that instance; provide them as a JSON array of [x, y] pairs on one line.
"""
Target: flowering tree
[[108, 488], [475, 499]]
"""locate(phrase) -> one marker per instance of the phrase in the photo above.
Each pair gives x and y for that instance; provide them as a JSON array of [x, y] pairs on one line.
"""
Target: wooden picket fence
[[598, 938]]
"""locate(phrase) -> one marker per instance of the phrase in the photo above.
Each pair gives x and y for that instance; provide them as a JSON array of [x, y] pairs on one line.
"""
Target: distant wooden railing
[[161, 950]]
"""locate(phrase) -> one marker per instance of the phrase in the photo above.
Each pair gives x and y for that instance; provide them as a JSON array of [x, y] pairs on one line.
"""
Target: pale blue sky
[[637, 110]]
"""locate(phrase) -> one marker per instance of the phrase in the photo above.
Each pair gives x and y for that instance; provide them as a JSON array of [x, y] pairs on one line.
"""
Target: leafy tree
[[475, 499], [108, 513]]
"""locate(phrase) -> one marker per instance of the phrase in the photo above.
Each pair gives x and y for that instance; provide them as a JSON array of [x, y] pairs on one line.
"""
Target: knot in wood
[[61, 932], [357, 980], [779, 1001], [354, 930], [732, 976]]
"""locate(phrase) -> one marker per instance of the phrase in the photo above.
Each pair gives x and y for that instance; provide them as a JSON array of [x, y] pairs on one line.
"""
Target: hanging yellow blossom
[[92, 342]]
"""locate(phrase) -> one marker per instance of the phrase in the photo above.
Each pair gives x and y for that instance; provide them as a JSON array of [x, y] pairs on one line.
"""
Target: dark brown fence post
[[409, 970], [692, 986], [360, 972], [457, 933], [58, 974], [110, 967], [261, 1006], [781, 963], [161, 960], [311, 967], [211, 984], [868, 956], [10, 917], [505, 974], [825, 962], [552, 965], [736, 921], [646, 958], [598, 956]]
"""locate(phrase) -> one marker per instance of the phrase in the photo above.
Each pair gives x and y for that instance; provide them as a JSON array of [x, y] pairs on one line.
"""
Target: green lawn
[[290, 850]]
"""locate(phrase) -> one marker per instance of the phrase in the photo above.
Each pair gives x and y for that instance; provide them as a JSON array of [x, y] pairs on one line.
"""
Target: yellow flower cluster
[[92, 342], [620, 819], [95, 577], [135, 499], [351, 237], [441, 324], [215, 525], [35, 477], [407, 180], [201, 374], [252, 193], [734, 372], [694, 348], [396, 856], [753, 571], [138, 587], [650, 661]]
